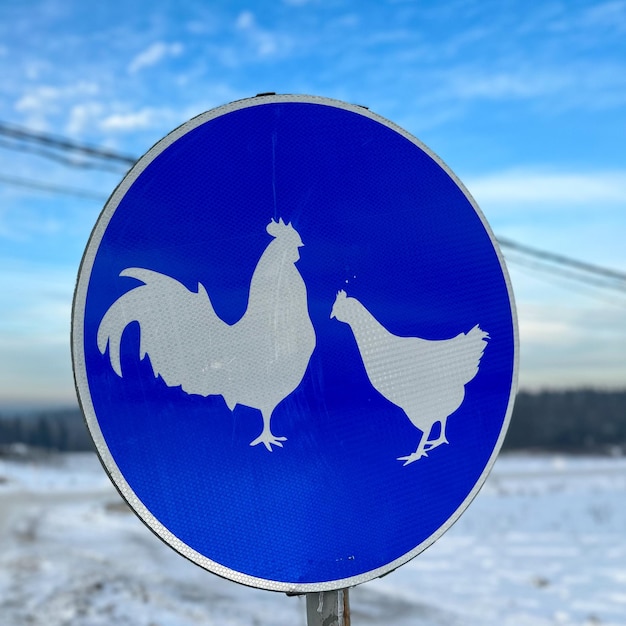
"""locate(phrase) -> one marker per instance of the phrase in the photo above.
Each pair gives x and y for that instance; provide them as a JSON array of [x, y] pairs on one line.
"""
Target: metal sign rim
[[82, 386]]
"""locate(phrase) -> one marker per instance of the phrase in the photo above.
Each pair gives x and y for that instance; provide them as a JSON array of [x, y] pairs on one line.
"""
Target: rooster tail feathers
[[149, 304], [133, 306], [130, 307], [148, 277], [110, 334]]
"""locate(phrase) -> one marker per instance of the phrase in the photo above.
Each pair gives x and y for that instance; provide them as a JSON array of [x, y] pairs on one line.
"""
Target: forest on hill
[[574, 421], [582, 420]]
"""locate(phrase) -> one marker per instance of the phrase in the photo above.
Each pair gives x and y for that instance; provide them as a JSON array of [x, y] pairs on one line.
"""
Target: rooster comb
[[274, 228], [341, 295]]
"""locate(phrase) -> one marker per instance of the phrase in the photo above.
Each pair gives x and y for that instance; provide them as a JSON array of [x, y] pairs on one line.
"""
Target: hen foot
[[411, 458], [268, 440], [433, 444]]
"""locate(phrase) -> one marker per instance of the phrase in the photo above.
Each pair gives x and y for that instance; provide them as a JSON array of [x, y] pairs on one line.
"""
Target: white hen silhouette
[[256, 362], [426, 379]]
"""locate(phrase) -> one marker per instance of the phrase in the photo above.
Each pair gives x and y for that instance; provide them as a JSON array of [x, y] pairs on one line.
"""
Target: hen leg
[[266, 437], [421, 449], [442, 436]]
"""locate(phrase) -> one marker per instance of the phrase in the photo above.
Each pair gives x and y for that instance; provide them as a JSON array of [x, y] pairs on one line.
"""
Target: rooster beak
[[332, 314]]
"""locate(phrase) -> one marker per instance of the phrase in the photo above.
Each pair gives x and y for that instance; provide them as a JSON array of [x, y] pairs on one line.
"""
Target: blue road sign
[[295, 343]]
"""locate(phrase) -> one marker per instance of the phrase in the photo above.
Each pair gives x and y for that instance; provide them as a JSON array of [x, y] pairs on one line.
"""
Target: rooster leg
[[266, 437], [420, 452], [442, 436]]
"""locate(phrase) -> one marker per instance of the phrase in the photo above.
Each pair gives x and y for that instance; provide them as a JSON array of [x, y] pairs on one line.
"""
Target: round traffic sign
[[294, 343]]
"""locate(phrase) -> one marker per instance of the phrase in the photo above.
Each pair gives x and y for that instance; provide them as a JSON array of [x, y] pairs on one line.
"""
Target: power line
[[71, 161], [26, 135], [554, 276], [51, 146], [559, 259], [35, 185], [562, 272]]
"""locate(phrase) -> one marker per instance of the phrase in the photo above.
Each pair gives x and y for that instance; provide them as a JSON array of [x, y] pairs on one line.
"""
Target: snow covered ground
[[543, 543]]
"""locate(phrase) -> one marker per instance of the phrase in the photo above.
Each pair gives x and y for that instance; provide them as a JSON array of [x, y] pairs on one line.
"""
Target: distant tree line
[[584, 420], [59, 429]]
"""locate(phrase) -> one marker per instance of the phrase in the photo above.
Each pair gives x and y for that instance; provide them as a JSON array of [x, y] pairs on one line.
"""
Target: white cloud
[[566, 188], [153, 55], [607, 14], [39, 310], [35, 68], [36, 372], [43, 96], [514, 84], [41, 101], [37, 99], [585, 84], [24, 225], [82, 116], [568, 344], [116, 117], [544, 331], [129, 121], [264, 42], [245, 21]]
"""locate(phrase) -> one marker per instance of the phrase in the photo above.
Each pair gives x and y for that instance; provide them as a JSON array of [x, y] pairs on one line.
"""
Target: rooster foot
[[412, 457], [268, 440]]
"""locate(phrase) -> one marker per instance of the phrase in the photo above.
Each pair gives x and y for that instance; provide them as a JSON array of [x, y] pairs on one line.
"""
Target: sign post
[[295, 345], [328, 608]]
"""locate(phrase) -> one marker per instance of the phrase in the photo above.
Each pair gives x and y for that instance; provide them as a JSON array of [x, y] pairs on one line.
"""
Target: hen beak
[[332, 314]]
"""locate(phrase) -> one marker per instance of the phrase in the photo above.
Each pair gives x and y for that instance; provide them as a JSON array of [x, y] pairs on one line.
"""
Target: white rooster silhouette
[[256, 362], [426, 379]]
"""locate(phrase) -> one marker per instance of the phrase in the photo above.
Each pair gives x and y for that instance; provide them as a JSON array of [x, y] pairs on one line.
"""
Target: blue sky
[[525, 102]]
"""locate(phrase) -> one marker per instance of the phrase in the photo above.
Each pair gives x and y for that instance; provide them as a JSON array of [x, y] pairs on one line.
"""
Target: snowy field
[[543, 543]]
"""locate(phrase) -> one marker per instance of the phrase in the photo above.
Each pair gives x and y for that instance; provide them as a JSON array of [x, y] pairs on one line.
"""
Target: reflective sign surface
[[295, 343]]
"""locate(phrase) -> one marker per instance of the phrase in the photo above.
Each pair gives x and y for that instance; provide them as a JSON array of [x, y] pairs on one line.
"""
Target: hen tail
[[175, 324], [471, 350], [478, 337]]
